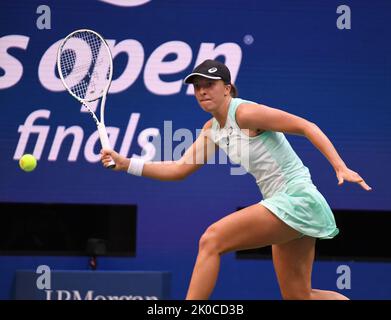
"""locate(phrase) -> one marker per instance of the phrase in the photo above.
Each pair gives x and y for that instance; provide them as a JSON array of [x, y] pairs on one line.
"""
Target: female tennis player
[[292, 214]]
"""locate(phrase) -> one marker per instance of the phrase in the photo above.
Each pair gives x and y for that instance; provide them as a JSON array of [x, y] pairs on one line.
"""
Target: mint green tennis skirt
[[303, 208]]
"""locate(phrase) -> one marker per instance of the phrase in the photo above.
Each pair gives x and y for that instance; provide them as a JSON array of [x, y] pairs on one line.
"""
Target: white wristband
[[136, 166]]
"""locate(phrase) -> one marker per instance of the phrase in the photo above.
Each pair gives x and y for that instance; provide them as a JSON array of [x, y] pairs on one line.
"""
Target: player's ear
[[227, 89], [233, 91]]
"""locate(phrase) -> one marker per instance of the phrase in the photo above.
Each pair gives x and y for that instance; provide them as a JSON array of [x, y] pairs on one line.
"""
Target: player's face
[[209, 93]]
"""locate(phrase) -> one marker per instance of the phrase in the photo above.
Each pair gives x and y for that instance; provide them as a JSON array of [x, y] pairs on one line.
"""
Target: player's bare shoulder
[[206, 129], [208, 124]]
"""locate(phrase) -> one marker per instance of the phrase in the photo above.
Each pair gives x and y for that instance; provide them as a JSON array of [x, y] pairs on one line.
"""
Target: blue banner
[[287, 55]]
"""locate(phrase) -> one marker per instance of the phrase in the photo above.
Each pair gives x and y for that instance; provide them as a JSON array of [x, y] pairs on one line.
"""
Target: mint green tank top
[[268, 157]]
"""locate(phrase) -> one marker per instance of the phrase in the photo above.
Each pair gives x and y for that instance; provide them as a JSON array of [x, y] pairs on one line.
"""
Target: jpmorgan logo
[[126, 3], [90, 295]]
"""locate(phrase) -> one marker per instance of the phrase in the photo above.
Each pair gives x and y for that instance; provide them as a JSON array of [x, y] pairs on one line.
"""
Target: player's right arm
[[194, 157]]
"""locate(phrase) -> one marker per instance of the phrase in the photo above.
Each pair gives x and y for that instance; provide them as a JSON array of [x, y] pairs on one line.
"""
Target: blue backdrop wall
[[285, 54]]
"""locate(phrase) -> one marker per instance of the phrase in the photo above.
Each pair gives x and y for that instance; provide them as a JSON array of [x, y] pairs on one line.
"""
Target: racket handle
[[104, 140]]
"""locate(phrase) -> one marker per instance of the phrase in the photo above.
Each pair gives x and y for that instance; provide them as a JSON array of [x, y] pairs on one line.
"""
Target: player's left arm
[[261, 117]]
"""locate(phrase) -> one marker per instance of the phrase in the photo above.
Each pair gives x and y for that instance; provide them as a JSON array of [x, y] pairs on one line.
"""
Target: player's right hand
[[121, 162]]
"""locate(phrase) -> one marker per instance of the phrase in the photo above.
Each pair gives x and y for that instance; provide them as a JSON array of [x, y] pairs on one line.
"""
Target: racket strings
[[85, 65]]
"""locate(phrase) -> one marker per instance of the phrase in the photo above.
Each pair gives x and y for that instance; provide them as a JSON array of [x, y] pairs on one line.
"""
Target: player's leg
[[293, 262], [252, 227]]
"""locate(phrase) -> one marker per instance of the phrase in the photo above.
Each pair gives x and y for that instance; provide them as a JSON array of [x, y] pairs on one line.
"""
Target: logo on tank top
[[230, 130]]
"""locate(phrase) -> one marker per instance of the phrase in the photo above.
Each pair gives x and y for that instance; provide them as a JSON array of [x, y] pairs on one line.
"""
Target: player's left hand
[[351, 176]]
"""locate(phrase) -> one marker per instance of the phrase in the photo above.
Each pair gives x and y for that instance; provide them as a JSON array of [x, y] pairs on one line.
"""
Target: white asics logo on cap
[[126, 3], [212, 70]]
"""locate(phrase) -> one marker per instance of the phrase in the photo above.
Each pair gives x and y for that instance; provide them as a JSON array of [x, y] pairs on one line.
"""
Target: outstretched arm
[[254, 116], [195, 156]]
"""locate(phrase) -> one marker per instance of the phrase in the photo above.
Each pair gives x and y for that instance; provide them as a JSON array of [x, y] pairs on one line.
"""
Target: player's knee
[[210, 241]]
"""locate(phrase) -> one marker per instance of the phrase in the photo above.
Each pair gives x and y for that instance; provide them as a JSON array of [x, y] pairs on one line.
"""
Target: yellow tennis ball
[[27, 162]]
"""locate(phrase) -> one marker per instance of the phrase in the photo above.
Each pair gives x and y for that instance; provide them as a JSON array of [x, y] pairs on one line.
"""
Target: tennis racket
[[85, 66]]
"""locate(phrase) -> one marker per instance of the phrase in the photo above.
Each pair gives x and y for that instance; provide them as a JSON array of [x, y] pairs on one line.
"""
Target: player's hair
[[234, 91]]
